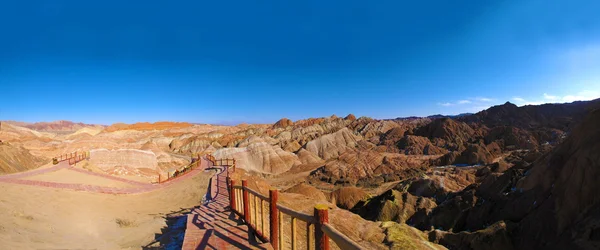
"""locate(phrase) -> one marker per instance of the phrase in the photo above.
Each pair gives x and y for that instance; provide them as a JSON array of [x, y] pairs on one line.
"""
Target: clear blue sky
[[257, 61]]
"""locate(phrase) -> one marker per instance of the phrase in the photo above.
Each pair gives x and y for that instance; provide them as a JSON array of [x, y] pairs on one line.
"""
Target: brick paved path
[[140, 186], [214, 226]]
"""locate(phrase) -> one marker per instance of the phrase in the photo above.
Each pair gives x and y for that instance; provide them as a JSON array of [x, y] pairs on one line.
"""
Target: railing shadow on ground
[[171, 236]]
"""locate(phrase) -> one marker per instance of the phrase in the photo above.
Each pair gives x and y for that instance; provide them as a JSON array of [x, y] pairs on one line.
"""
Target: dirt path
[[64, 176], [57, 215]]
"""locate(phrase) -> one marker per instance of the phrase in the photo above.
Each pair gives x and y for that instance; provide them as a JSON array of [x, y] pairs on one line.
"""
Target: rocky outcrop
[[377, 128], [107, 160], [292, 146], [369, 168], [417, 145], [350, 117], [283, 123], [260, 157], [475, 154], [308, 191], [332, 145], [402, 236], [511, 138], [448, 130], [495, 237], [256, 139], [307, 157], [15, 159], [563, 192], [393, 205], [348, 197]]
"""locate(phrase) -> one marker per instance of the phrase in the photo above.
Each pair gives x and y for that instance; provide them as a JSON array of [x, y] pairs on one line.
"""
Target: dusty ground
[[36, 217]]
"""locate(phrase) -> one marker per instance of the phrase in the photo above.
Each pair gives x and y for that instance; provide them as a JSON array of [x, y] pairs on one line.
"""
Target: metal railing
[[256, 208]]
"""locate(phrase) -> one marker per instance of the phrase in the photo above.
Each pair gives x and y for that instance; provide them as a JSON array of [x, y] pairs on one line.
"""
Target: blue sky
[[247, 61]]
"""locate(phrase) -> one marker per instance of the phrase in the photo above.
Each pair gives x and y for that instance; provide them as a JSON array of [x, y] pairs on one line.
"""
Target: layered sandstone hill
[[125, 162], [511, 204], [147, 126], [260, 157], [17, 159], [332, 145]]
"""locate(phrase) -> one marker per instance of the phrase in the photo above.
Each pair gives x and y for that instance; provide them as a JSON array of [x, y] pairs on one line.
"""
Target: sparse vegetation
[[125, 222]]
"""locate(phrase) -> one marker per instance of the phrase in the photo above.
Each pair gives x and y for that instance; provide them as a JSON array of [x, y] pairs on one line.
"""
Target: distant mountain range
[[53, 126], [438, 116]]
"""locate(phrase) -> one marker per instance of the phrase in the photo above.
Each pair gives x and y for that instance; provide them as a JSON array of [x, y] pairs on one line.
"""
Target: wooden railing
[[73, 157], [229, 163], [196, 162], [265, 217]]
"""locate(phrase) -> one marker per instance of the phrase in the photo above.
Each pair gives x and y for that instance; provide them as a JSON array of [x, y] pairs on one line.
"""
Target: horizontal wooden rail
[[257, 194], [340, 239], [302, 216], [72, 157], [249, 204]]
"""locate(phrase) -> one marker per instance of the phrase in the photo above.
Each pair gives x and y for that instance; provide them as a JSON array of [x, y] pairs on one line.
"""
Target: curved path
[[214, 226], [138, 187]]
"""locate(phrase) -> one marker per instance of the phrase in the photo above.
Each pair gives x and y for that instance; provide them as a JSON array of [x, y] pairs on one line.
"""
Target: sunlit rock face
[[260, 157], [333, 145]]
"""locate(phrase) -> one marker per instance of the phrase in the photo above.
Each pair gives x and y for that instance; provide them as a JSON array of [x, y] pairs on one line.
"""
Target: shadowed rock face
[[394, 205], [348, 197], [564, 188], [447, 129], [418, 145]]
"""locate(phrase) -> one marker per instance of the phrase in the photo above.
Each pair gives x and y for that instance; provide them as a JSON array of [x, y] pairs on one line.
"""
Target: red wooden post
[[274, 219], [322, 217], [231, 194], [245, 201]]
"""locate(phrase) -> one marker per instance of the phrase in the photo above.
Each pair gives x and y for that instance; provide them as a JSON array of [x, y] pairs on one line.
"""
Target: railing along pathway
[[254, 208]]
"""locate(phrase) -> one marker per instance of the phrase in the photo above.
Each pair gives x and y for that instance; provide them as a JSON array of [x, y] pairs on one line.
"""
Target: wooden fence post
[[321, 214], [232, 204], [245, 201], [274, 219]]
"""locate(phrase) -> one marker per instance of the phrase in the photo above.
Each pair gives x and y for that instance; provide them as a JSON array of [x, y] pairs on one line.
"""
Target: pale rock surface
[[307, 157], [133, 158], [256, 139], [332, 145], [260, 157]]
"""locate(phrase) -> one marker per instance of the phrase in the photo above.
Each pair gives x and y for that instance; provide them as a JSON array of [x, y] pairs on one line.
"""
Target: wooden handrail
[[72, 157], [302, 216], [257, 194], [244, 202], [340, 239]]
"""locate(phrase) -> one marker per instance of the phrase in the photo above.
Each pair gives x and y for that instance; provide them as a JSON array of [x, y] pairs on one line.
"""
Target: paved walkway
[[140, 186], [213, 226]]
